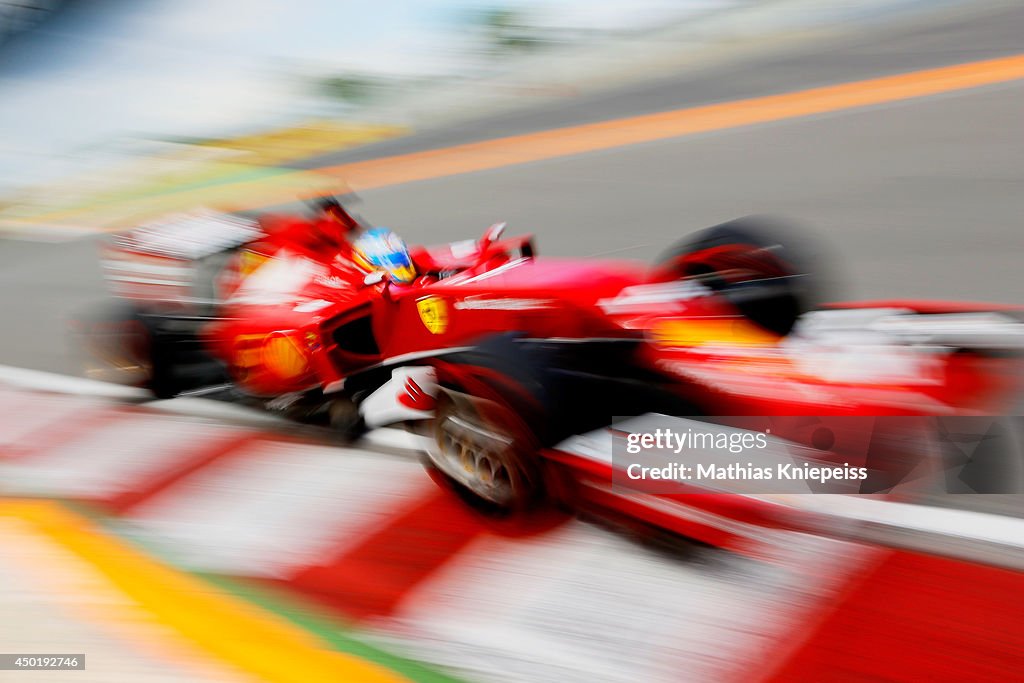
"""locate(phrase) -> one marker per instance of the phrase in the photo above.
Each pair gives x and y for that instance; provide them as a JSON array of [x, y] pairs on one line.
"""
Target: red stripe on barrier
[[50, 436], [231, 446], [372, 577], [914, 617]]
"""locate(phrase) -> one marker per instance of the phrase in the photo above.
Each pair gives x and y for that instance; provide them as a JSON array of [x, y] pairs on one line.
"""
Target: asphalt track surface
[[917, 198]]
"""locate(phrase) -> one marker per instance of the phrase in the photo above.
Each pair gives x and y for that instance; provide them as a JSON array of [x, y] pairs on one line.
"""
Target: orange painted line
[[548, 144], [561, 142], [228, 628]]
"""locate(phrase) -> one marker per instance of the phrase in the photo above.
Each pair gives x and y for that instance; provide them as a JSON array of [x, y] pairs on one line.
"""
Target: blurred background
[[188, 540]]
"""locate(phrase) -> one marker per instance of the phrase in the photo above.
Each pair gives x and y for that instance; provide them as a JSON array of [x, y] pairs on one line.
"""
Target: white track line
[[194, 406], [39, 380], [957, 523]]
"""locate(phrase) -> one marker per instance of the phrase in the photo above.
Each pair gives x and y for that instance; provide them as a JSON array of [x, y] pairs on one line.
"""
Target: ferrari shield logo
[[433, 312]]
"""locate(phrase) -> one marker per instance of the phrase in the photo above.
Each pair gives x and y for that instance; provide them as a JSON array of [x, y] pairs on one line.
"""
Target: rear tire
[[113, 345], [163, 354]]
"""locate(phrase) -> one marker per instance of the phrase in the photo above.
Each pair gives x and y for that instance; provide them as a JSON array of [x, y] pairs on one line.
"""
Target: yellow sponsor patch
[[433, 312], [715, 331]]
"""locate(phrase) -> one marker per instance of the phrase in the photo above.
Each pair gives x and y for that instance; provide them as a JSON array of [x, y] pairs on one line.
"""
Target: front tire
[[486, 454], [758, 264]]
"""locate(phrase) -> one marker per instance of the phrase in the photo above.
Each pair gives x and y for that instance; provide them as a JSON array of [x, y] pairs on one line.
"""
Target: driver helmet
[[382, 249]]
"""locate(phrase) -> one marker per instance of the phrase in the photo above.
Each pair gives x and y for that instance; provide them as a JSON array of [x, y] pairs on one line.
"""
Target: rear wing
[[167, 260], [188, 236]]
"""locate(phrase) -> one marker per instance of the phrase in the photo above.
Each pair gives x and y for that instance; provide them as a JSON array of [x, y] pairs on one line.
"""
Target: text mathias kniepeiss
[[749, 471]]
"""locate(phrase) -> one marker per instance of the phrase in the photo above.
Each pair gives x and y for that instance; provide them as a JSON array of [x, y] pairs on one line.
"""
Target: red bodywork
[[339, 325], [305, 319]]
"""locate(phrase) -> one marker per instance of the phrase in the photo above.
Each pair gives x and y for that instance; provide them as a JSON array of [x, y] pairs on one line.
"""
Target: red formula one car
[[502, 353]]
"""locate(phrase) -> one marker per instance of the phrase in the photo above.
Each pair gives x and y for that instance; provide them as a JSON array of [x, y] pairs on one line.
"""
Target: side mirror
[[493, 233], [375, 278]]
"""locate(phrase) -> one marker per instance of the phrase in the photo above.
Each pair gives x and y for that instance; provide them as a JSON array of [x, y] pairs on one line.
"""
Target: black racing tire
[[163, 382], [523, 395], [163, 354], [346, 423], [762, 266], [115, 344], [497, 408], [486, 455]]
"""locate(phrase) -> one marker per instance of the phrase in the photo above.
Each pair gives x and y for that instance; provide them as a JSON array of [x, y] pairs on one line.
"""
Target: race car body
[[723, 324], [294, 321]]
